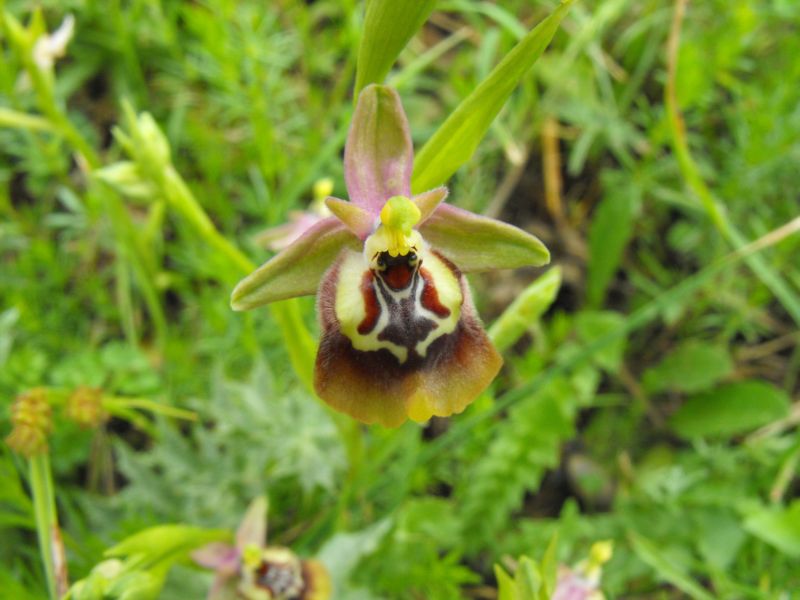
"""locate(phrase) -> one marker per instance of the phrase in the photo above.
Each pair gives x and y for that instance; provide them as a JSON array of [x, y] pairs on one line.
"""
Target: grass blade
[[388, 25], [456, 140], [649, 553]]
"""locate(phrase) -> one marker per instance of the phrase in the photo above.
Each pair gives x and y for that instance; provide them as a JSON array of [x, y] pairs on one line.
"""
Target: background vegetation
[[654, 403]]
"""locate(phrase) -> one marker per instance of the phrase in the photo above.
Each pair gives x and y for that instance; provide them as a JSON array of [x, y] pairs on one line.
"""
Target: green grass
[[654, 404]]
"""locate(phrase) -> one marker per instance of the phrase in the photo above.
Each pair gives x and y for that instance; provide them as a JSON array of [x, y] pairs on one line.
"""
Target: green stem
[[299, 342], [56, 115], [44, 506], [58, 121]]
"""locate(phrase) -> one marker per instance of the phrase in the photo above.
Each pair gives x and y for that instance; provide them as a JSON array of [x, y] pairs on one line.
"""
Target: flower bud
[[155, 142], [125, 177], [85, 407]]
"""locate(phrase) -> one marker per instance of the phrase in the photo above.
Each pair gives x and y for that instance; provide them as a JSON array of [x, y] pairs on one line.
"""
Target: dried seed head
[[85, 407], [31, 417]]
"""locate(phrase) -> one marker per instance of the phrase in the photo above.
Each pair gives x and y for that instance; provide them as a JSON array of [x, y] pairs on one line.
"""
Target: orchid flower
[[583, 581], [254, 571], [400, 334]]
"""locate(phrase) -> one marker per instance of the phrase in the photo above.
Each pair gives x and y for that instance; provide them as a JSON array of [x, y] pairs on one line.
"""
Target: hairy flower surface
[[400, 335]]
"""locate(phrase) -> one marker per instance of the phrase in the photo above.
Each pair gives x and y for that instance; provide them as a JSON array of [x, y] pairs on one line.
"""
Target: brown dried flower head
[[31, 417], [85, 407]]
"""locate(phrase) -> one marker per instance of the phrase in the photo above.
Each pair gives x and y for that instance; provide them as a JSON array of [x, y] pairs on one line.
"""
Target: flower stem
[[44, 506], [299, 343]]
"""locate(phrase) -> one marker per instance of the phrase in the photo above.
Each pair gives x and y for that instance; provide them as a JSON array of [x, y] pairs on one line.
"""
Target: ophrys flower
[[252, 570], [400, 335]]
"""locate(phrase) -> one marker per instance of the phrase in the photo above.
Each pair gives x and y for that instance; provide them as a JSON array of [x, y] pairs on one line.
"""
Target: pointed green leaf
[[593, 325], [506, 588], [691, 367], [528, 579], [609, 233], [388, 25], [165, 543], [549, 565], [730, 409], [779, 527], [297, 270], [654, 556], [525, 310], [455, 141], [475, 243]]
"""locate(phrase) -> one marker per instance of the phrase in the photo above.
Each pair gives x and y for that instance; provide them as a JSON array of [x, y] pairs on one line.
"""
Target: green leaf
[[609, 233], [475, 243], [342, 553], [165, 544], [548, 568], [719, 536], [455, 141], [528, 579], [388, 25], [525, 311], [730, 409], [693, 366], [652, 555], [506, 590], [296, 270], [594, 325], [778, 527]]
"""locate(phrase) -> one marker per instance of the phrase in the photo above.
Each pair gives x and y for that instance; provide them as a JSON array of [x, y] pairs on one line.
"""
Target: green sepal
[[475, 243], [296, 270]]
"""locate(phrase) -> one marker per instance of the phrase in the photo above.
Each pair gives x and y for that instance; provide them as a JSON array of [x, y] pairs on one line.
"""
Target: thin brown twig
[[551, 168], [770, 347], [507, 186]]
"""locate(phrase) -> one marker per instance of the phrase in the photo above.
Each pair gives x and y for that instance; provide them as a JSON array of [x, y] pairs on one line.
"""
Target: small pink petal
[[572, 586], [379, 155], [221, 557]]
